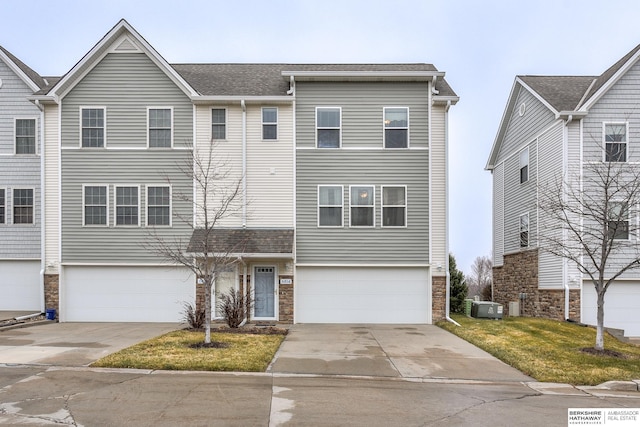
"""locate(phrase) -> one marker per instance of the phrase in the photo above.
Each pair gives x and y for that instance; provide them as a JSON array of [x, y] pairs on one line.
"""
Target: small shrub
[[194, 317], [234, 306]]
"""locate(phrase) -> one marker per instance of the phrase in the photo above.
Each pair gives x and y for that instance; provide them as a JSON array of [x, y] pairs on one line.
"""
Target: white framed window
[[615, 142], [95, 205], [396, 127], [127, 206], [362, 206], [23, 205], [25, 132], [328, 127], [226, 280], [330, 206], [92, 127], [269, 123], [160, 127], [3, 206], [218, 124], [524, 165], [524, 230], [159, 205], [618, 221], [394, 206]]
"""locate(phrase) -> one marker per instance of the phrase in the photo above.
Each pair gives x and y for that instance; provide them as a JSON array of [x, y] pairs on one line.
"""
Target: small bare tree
[[585, 218], [481, 279], [207, 253]]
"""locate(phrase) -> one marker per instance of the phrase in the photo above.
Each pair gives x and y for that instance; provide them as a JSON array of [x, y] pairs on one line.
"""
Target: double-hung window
[[23, 206], [362, 205], [160, 127], [396, 127], [330, 203], [218, 124], [159, 205], [269, 123], [615, 142], [328, 127], [394, 206], [127, 205], [25, 136], [2, 206], [618, 221], [95, 202], [524, 165], [524, 230], [92, 127]]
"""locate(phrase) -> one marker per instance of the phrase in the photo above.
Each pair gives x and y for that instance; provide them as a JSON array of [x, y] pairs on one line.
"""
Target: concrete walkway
[[403, 351]]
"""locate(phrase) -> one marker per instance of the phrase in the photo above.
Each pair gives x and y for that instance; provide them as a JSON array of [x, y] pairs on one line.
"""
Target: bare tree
[[585, 218], [481, 278], [209, 250]]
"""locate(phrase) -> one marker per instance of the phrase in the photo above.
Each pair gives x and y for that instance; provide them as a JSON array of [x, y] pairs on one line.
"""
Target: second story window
[[394, 206], [160, 127], [618, 221], [92, 127], [95, 204], [524, 230], [328, 127], [362, 206], [218, 124], [23, 206], [396, 127], [25, 136], [269, 123], [127, 211], [330, 201], [159, 205], [615, 142], [2, 206], [524, 166]]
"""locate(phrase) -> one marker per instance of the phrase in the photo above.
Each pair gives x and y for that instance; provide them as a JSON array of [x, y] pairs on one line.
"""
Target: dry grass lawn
[[172, 351], [548, 350]]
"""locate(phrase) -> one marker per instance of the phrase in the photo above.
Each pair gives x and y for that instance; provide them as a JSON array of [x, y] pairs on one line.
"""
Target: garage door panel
[[125, 294], [20, 285], [621, 304], [362, 295]]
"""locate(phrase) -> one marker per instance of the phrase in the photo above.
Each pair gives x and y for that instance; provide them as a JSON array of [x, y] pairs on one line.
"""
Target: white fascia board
[[18, 71], [221, 99], [445, 99], [364, 75], [613, 80], [502, 127]]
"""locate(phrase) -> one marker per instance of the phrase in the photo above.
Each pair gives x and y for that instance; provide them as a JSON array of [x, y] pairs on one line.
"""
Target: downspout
[[244, 282], [565, 283], [244, 163], [42, 206], [446, 193], [292, 92]]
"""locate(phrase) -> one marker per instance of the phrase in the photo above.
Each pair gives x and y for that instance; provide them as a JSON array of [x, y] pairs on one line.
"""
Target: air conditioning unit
[[486, 309], [514, 308]]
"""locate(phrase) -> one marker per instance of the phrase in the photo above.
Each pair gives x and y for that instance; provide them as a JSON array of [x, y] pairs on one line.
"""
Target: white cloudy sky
[[481, 45]]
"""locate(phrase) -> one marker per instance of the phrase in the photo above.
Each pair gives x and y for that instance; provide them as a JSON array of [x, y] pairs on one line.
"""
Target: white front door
[[264, 292]]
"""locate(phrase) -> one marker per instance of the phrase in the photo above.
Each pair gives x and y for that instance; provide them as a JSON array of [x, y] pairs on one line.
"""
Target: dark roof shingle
[[562, 92], [242, 240]]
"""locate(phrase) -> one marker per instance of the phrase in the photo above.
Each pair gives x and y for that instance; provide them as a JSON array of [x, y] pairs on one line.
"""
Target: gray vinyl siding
[[362, 245], [126, 84], [18, 241], [120, 244], [498, 215], [362, 111]]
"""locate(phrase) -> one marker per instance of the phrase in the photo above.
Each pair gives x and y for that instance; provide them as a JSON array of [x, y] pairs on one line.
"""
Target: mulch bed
[[605, 352]]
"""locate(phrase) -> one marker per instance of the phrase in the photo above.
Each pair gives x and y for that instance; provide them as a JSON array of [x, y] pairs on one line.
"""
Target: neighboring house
[[20, 186], [552, 127], [343, 214]]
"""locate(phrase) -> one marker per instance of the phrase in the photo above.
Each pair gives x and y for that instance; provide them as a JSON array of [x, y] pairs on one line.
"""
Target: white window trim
[[327, 107], [384, 128], [276, 291], [13, 206], [104, 115], [214, 296], [318, 206], [276, 123], [115, 206], [630, 232], [5, 222], [149, 108], [226, 121], [147, 206], [106, 224], [525, 149], [405, 206], [373, 205], [520, 230], [604, 141], [15, 135]]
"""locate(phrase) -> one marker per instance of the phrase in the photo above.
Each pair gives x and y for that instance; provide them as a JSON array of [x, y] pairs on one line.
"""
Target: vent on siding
[[126, 46]]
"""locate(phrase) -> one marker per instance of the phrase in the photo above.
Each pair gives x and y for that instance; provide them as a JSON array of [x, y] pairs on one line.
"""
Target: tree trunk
[[207, 310], [600, 321]]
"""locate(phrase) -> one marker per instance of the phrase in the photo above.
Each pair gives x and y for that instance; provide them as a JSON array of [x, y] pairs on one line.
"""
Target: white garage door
[[362, 295], [621, 304], [20, 285], [125, 294]]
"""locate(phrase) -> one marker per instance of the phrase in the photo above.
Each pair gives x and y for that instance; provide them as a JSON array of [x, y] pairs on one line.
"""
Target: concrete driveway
[[403, 351]]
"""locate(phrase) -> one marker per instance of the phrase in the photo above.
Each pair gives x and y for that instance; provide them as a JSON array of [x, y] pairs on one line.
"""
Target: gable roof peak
[[26, 73]]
